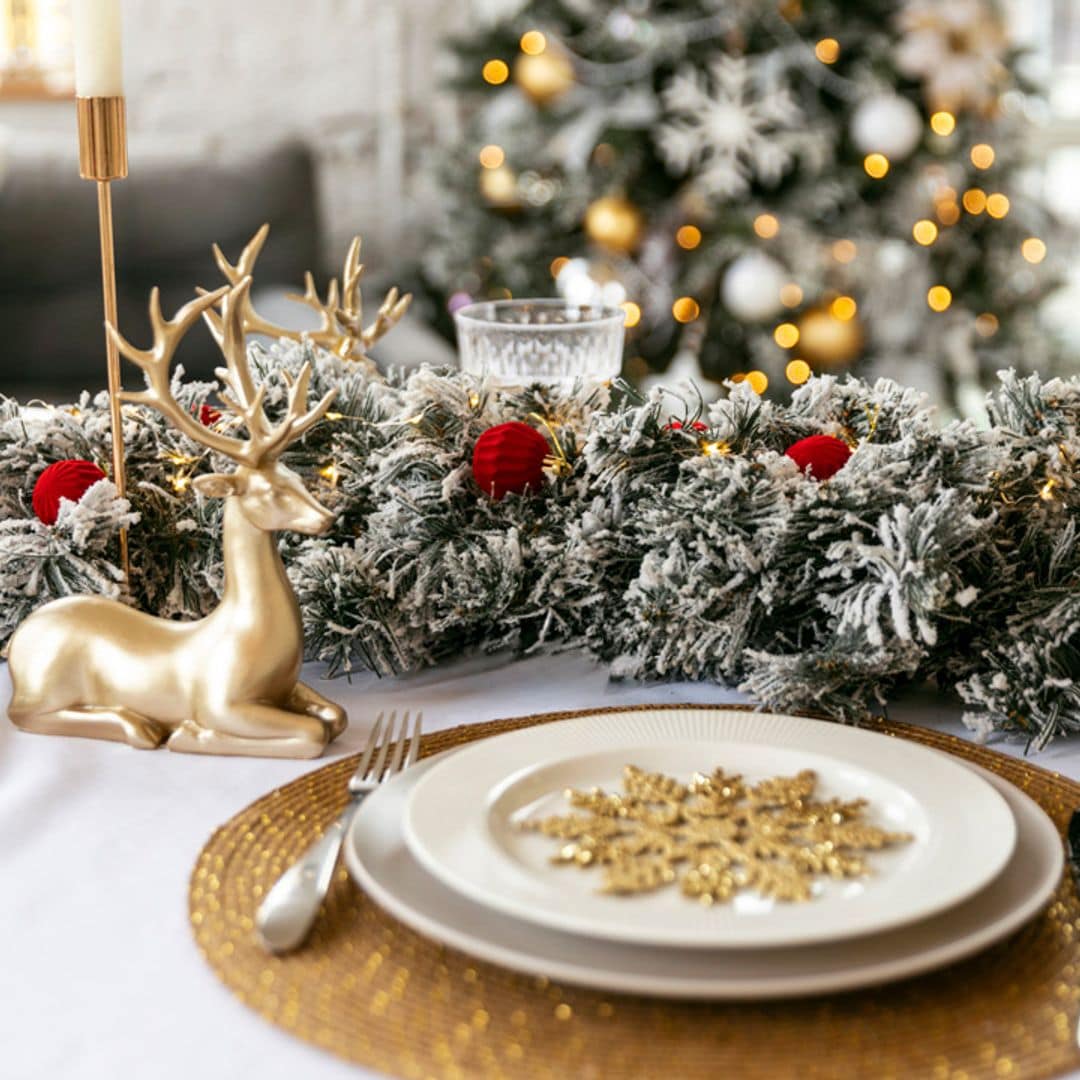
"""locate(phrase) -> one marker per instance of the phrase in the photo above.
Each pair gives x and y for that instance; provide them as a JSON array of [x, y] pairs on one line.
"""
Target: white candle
[[98, 60]]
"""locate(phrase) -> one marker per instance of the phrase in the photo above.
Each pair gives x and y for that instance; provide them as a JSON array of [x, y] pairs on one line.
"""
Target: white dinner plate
[[382, 865], [461, 824]]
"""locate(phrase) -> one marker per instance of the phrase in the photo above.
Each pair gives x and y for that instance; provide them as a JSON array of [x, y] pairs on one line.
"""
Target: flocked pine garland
[[689, 549]]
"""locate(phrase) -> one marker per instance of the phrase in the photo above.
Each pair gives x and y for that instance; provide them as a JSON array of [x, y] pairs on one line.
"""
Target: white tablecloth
[[99, 976]]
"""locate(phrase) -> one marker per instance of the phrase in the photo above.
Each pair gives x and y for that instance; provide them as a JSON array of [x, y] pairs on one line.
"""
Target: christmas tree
[[769, 189]]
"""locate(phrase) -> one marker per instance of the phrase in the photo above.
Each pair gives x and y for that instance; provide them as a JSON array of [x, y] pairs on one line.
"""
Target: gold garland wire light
[[371, 991], [556, 462]]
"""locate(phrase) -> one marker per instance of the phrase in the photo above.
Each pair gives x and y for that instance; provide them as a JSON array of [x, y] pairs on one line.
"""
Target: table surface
[[99, 975]]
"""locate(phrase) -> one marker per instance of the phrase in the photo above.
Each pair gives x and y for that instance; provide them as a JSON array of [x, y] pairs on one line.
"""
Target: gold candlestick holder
[[103, 158]]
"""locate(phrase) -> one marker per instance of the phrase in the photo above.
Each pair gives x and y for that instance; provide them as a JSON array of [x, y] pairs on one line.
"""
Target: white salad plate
[[462, 824], [382, 865]]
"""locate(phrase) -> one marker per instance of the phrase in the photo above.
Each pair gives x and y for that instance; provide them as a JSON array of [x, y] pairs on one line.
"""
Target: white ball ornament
[[751, 287], [886, 124]]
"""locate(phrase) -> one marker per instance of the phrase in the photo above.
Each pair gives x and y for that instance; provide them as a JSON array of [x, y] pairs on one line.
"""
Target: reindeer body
[[225, 684], [99, 666]]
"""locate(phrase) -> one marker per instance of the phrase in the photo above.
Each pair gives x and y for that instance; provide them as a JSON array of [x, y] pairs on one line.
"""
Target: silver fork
[[286, 916]]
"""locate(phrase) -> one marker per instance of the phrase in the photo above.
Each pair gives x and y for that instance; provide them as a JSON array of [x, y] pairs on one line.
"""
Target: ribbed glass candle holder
[[517, 342]]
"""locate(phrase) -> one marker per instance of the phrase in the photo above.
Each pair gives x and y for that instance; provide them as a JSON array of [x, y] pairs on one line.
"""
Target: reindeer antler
[[340, 328], [241, 397], [351, 312]]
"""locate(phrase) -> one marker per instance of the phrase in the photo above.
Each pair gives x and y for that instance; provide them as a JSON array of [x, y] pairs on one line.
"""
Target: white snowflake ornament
[[728, 125], [957, 49]]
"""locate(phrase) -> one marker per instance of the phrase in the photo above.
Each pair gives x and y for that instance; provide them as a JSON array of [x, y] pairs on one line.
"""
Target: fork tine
[[376, 771], [372, 743], [414, 746], [399, 747]]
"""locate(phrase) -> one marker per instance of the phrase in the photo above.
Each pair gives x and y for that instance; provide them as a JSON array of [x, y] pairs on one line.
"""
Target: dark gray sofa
[[168, 212]]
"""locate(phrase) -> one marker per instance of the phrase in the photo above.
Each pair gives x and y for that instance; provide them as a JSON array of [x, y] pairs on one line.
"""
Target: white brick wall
[[356, 79]]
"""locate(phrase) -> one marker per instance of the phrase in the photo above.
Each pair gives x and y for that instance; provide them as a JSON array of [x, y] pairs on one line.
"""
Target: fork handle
[[286, 916]]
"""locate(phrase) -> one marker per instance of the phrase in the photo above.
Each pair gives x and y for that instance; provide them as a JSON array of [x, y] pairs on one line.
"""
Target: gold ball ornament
[[544, 77], [615, 224], [828, 342], [500, 187]]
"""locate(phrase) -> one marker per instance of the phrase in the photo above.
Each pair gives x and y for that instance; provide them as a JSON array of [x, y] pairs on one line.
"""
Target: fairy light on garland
[[876, 166], [844, 251], [844, 308], [974, 201], [986, 324], [766, 226], [184, 468], [827, 50], [758, 381], [415, 420], [939, 297], [1033, 250], [686, 309], [786, 335], [791, 295], [982, 155], [997, 205], [492, 156], [631, 313], [925, 232], [797, 371], [714, 448], [947, 208], [495, 72], [331, 474], [943, 123], [688, 237], [174, 457], [532, 43]]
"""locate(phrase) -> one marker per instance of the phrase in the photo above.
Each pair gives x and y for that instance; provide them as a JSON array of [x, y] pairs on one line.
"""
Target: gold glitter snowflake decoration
[[715, 836]]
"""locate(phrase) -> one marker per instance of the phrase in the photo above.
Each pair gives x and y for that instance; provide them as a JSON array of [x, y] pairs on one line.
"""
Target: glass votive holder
[[517, 342]]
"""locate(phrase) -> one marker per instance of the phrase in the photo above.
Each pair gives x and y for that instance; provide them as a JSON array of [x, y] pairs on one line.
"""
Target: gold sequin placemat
[[371, 991]]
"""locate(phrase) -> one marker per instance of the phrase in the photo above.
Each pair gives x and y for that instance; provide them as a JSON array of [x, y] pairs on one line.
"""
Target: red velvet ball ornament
[[823, 455], [63, 480], [509, 457], [208, 415]]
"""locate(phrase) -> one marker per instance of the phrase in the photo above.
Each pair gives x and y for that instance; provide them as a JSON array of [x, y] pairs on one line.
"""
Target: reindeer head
[[272, 497]]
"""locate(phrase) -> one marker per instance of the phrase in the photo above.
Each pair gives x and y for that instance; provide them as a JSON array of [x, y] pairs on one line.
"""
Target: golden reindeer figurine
[[225, 684]]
